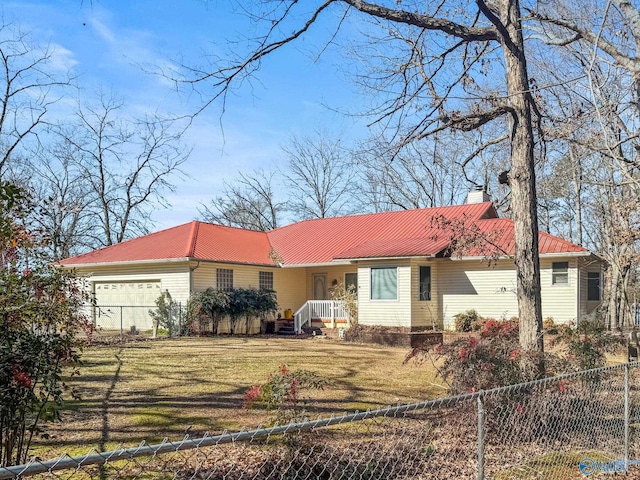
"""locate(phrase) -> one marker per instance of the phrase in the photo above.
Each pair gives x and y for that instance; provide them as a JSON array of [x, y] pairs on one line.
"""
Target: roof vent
[[478, 195]]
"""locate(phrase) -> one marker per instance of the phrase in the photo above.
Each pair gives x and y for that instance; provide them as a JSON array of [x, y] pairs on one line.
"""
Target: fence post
[[333, 314], [480, 437], [179, 319], [121, 327], [626, 413]]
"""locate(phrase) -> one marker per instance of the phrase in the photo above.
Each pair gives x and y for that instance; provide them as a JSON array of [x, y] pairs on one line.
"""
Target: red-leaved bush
[[282, 393], [492, 358], [489, 360]]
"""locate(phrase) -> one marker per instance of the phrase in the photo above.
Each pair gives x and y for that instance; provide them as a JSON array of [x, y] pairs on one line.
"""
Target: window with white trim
[[265, 280], [384, 283], [224, 279], [593, 286], [425, 282], [560, 273], [351, 282]]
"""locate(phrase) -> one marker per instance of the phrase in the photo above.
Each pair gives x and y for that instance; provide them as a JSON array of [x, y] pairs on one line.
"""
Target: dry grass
[[157, 389]]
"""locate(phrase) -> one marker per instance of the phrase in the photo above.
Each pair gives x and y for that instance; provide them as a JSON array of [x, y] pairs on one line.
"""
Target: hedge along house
[[402, 263]]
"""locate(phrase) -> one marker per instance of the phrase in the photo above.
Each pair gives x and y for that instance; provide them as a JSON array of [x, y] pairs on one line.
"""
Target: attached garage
[[122, 305]]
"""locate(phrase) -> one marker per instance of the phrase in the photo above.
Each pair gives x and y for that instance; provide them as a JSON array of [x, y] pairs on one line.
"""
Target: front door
[[319, 286]]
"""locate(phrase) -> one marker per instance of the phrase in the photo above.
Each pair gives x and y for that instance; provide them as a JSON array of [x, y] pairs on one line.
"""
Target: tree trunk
[[577, 184], [522, 180]]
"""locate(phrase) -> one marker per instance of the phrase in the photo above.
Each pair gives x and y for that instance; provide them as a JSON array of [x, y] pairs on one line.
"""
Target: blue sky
[[107, 42]]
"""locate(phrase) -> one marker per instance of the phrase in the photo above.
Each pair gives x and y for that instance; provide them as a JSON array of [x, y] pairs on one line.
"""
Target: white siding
[[125, 292], [425, 313], [491, 290], [559, 302], [589, 264], [388, 313], [473, 285], [244, 276], [173, 276]]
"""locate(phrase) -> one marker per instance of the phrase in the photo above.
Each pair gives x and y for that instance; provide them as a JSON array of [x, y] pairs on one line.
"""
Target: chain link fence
[[134, 320], [571, 426], [127, 322]]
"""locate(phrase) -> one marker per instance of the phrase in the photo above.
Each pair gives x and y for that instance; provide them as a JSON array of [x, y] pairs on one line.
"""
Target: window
[[351, 282], [593, 286], [384, 283], [425, 283], [224, 279], [560, 273], [265, 280]]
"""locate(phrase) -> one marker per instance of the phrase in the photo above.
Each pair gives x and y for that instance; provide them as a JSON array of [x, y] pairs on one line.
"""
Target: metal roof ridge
[[191, 240], [489, 207]]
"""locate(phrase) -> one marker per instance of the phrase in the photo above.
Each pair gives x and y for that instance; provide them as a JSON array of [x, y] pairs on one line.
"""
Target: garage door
[[122, 305]]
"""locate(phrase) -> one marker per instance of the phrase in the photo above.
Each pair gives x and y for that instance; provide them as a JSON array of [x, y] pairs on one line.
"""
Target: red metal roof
[[500, 232], [324, 239], [403, 233], [196, 240]]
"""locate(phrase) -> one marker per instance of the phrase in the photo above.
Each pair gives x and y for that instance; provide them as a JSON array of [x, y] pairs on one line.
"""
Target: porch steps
[[309, 330], [287, 329]]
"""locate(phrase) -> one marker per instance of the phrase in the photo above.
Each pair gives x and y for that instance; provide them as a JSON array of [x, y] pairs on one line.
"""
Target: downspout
[[191, 270], [191, 249]]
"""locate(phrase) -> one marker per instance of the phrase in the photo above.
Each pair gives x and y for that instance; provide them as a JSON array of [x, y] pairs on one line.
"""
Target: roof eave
[[395, 257], [233, 262], [124, 263], [321, 264], [584, 253], [161, 260]]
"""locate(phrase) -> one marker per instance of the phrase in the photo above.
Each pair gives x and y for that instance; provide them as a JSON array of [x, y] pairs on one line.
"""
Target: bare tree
[[594, 121], [126, 164], [443, 52], [427, 174], [318, 176], [28, 88], [64, 201], [247, 202]]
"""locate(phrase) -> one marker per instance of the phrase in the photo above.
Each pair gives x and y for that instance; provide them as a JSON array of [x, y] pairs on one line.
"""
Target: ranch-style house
[[401, 264]]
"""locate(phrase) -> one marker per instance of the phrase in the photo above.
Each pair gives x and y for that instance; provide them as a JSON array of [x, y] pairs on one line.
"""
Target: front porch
[[321, 313]]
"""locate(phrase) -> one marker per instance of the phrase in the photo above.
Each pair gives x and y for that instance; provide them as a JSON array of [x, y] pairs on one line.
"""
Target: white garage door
[[121, 305]]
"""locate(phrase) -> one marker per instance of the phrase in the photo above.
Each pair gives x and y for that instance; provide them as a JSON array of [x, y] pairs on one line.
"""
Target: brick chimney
[[478, 195]]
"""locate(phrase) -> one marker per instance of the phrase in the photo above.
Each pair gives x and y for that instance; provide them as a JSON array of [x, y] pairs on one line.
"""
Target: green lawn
[[156, 389]]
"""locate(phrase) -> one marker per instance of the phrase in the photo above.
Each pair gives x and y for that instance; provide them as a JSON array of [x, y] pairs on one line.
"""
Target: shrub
[[165, 315], [464, 320], [587, 344], [40, 319], [250, 303], [211, 306], [207, 308], [282, 394], [349, 296], [478, 324], [549, 326], [491, 359]]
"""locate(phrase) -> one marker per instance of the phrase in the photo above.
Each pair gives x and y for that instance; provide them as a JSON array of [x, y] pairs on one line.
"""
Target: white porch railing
[[319, 309]]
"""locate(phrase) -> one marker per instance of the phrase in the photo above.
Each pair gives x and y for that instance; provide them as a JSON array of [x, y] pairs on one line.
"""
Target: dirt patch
[[392, 336]]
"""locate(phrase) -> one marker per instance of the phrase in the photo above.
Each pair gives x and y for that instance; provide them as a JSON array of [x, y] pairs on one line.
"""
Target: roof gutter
[[365, 259], [585, 253], [125, 263], [159, 260], [542, 255], [321, 264]]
